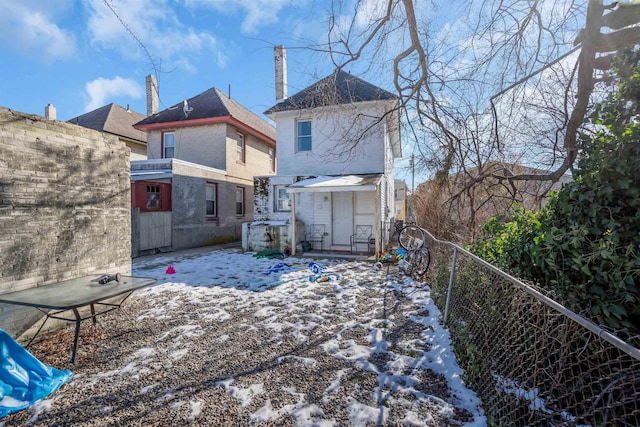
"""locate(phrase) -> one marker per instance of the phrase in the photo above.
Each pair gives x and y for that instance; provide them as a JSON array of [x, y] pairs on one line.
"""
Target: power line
[[132, 34]]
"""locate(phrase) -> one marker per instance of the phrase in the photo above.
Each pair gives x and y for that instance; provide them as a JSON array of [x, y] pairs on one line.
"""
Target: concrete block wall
[[264, 197], [261, 191], [64, 206]]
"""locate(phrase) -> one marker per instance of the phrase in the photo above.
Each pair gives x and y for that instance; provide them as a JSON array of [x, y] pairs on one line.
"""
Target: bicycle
[[418, 257]]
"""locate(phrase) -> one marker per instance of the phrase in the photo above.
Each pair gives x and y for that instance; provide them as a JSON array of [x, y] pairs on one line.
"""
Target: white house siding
[[322, 214], [332, 153], [390, 180], [364, 208], [305, 209], [385, 207]]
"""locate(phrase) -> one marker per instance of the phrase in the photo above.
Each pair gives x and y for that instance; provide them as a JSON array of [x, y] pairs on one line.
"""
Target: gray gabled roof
[[114, 119], [335, 89], [210, 104]]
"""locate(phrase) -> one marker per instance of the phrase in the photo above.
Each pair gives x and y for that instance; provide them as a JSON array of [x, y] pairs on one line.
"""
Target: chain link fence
[[531, 361]]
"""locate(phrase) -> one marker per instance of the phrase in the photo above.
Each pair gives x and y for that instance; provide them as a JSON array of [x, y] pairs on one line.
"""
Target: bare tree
[[486, 86]]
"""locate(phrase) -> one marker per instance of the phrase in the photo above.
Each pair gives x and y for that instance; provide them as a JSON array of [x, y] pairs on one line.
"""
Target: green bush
[[585, 244]]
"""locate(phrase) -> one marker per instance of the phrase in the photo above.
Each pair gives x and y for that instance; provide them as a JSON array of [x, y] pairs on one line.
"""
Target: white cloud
[[101, 91], [370, 11], [258, 12], [31, 28], [156, 27]]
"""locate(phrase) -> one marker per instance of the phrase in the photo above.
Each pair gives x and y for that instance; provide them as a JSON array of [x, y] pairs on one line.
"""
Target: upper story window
[[239, 201], [304, 135], [168, 145], [211, 197], [272, 159], [240, 150]]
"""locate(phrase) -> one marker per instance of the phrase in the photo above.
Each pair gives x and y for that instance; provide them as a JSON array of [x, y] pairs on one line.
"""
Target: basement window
[[283, 199], [153, 197]]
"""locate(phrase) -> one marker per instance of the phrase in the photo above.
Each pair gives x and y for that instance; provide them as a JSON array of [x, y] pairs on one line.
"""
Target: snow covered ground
[[235, 339]]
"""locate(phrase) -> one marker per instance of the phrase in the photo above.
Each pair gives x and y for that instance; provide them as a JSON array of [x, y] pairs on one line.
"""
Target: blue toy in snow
[[280, 268], [318, 276], [315, 268]]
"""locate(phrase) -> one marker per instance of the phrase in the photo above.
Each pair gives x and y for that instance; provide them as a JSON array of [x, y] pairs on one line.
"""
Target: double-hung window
[[304, 135], [240, 150], [239, 201], [168, 145], [283, 200], [211, 196]]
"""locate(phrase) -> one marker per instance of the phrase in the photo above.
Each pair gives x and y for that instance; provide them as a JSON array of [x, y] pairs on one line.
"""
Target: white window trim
[[241, 151], [164, 147], [240, 190], [298, 150], [276, 191], [215, 199]]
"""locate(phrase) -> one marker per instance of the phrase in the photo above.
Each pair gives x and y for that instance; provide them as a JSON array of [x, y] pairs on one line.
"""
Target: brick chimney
[[152, 95], [280, 57], [50, 112]]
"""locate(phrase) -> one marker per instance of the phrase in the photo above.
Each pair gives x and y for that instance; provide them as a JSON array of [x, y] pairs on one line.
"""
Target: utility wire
[[156, 71]]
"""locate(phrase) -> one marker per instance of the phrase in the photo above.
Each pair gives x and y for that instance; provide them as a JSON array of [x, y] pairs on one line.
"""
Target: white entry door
[[342, 217]]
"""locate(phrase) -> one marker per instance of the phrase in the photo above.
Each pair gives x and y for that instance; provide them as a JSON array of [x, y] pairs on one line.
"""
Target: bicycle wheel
[[422, 260], [411, 237]]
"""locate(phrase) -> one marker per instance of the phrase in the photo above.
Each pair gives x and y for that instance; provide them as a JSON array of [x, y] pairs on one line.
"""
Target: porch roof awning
[[336, 183], [144, 175]]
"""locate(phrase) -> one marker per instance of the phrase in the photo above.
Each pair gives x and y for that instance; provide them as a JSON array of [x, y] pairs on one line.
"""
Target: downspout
[[293, 224], [378, 219]]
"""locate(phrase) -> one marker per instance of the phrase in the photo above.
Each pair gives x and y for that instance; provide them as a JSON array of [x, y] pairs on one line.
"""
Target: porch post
[[293, 224], [378, 219]]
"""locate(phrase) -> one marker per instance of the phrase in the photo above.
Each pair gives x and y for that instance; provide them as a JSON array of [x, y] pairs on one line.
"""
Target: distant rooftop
[[114, 119]]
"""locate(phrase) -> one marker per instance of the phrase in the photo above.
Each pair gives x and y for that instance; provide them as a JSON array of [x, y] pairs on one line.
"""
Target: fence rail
[[530, 359]]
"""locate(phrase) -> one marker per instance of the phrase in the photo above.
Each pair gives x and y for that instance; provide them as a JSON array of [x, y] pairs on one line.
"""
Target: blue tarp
[[23, 378]]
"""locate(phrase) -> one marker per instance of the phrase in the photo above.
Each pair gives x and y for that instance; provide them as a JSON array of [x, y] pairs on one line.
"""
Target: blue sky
[[82, 54], [78, 55]]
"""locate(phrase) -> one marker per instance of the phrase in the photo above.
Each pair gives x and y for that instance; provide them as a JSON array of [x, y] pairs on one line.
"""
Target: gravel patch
[[351, 351]]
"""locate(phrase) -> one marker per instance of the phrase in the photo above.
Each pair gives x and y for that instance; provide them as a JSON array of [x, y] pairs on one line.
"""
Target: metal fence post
[[451, 278]]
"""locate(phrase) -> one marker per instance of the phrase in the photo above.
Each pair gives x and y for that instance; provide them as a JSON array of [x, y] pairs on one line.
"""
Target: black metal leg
[[93, 314], [38, 331], [75, 338]]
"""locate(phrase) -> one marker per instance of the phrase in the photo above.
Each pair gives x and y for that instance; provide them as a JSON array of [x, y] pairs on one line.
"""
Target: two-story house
[[336, 142], [196, 187]]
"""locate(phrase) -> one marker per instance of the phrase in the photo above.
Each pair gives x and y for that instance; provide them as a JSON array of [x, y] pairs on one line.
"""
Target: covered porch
[[342, 214]]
